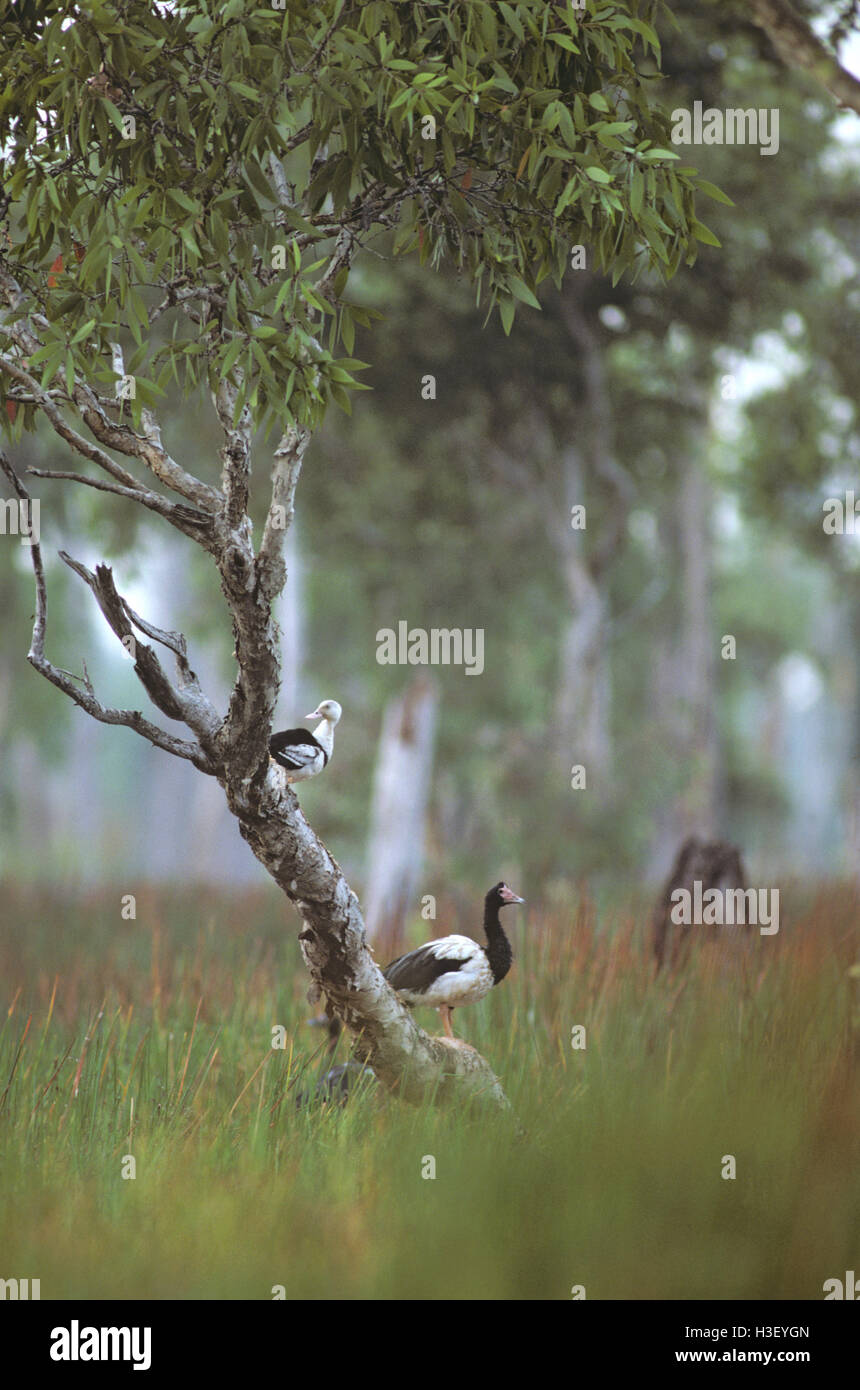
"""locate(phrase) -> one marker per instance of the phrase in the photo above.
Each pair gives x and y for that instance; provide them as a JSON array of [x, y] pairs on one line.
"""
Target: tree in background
[[215, 173], [513, 421]]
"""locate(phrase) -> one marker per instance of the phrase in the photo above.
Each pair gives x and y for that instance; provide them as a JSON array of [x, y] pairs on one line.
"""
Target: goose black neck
[[499, 952]]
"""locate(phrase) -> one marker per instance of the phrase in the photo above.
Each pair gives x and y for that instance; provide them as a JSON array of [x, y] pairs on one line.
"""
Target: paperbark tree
[[185, 191], [583, 700], [395, 849], [563, 461]]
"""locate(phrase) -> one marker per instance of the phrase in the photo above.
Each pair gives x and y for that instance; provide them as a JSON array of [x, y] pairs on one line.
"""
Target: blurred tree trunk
[[401, 792], [583, 727], [697, 811], [588, 476], [852, 782], [684, 682], [582, 732], [683, 676], [290, 613]]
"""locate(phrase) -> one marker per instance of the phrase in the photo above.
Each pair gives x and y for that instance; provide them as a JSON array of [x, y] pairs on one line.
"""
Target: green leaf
[[84, 331], [599, 175], [231, 355], [637, 188], [258, 180], [564, 42], [703, 233], [114, 113], [571, 190], [512, 19], [522, 291], [347, 329], [176, 195], [711, 191]]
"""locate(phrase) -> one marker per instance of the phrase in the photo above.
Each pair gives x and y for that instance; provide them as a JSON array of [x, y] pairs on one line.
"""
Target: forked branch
[[80, 689]]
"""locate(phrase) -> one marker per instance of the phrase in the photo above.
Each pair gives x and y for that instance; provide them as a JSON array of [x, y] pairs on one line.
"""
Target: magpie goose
[[455, 970], [303, 754]]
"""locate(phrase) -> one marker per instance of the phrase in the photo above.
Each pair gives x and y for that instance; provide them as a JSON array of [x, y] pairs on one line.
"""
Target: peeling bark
[[334, 946]]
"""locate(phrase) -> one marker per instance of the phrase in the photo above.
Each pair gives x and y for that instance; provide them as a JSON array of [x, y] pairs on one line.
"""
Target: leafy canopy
[[193, 182]]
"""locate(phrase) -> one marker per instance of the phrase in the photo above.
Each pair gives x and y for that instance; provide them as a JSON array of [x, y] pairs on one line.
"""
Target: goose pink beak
[[510, 897]]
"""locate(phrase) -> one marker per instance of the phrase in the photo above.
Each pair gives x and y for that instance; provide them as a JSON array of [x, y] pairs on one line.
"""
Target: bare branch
[[147, 447], [175, 641], [188, 704], [176, 298], [341, 256], [63, 680], [279, 179], [55, 416], [187, 519], [235, 455], [289, 456], [799, 47]]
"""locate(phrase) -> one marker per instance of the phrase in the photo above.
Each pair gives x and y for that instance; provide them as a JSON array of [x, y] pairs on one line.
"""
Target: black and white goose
[[455, 970], [303, 754]]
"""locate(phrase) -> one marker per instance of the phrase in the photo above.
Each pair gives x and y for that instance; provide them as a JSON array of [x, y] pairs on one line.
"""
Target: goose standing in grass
[[455, 970], [303, 754]]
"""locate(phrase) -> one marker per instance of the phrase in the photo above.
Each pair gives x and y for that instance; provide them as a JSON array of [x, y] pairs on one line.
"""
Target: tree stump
[[714, 865]]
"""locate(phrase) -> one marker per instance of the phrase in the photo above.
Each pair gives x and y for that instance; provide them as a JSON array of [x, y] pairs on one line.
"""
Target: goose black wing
[[419, 969], [296, 748]]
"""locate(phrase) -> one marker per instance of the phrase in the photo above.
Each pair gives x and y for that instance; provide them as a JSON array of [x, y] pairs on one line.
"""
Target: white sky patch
[[727, 520], [849, 51], [642, 526], [612, 317], [842, 410], [771, 363], [800, 683]]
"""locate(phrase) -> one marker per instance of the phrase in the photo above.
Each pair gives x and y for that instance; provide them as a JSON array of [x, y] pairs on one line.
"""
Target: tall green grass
[[152, 1038]]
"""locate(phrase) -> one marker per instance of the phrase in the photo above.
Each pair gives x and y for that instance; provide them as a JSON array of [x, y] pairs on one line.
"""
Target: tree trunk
[[851, 679], [401, 792], [334, 946], [234, 749], [715, 866], [697, 810], [582, 702]]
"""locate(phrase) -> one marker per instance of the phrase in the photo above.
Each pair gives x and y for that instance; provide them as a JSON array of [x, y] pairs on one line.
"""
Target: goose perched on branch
[[455, 970], [303, 754]]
